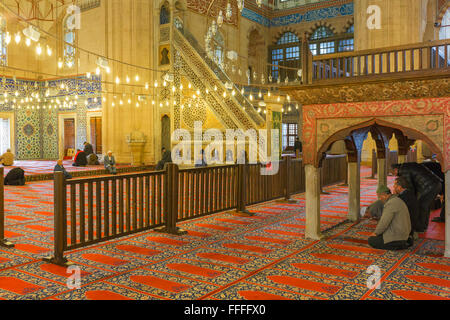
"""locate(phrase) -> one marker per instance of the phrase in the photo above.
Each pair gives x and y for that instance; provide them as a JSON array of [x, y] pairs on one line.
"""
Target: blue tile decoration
[[36, 130], [313, 15]]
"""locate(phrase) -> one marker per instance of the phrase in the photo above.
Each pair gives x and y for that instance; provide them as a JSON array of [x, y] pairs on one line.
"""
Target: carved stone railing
[[431, 58], [237, 105]]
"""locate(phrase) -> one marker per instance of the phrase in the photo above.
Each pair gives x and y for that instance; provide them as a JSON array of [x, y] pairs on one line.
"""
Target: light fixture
[[137, 78], [32, 33], [128, 79], [28, 42], [97, 71], [49, 51], [88, 75], [7, 38], [17, 38], [117, 80]]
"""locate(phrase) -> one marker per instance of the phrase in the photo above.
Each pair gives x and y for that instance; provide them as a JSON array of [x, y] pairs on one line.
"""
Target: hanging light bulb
[[88, 75], [146, 86], [97, 71], [228, 11], [220, 19], [251, 97], [49, 51], [7, 38], [108, 70], [38, 49], [240, 4], [121, 102], [117, 80], [128, 79], [17, 38], [260, 94], [137, 78], [164, 83], [189, 86], [28, 42], [156, 84]]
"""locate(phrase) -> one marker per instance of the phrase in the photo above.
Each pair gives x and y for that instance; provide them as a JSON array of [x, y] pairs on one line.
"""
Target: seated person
[[92, 159], [201, 162], [375, 210], [88, 148], [7, 159], [60, 167], [403, 191], [80, 159], [394, 227], [110, 163], [166, 158], [16, 177]]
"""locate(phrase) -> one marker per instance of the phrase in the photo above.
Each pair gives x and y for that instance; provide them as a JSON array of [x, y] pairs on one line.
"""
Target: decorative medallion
[[50, 130], [432, 125], [28, 130]]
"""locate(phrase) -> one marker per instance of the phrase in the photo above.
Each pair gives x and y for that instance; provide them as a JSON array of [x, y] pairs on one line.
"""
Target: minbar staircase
[[235, 112]]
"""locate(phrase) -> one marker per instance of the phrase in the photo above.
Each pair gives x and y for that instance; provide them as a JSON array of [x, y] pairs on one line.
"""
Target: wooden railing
[[89, 211], [432, 56]]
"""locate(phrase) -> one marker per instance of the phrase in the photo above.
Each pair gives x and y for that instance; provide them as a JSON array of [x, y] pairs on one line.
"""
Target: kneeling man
[[394, 227]]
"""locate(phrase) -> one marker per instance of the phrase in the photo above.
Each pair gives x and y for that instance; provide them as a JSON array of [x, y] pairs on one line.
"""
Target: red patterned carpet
[[222, 257]]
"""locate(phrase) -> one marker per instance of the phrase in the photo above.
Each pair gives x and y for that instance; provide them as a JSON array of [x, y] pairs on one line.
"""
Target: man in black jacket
[[437, 170], [402, 190], [16, 177], [88, 149], [425, 185]]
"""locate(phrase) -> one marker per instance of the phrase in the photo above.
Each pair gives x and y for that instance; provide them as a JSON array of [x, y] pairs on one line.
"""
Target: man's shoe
[[438, 219]]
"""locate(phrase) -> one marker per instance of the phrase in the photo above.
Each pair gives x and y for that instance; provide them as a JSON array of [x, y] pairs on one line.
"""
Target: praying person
[[7, 159], [60, 167], [88, 148], [110, 163], [80, 159], [16, 177], [394, 227], [166, 158]]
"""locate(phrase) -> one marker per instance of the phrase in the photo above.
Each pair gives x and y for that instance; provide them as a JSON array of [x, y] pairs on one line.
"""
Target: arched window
[[69, 35], [285, 53], [321, 41], [348, 43], [3, 45], [219, 46], [164, 15], [444, 32]]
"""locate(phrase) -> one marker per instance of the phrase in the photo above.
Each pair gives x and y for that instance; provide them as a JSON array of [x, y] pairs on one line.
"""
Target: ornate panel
[[358, 92], [428, 118]]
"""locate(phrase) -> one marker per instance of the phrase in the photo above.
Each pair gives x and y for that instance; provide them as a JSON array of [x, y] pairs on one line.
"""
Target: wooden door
[[96, 134], [69, 135]]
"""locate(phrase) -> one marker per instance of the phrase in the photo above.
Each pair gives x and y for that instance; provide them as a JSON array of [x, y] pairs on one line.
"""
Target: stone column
[[447, 215], [312, 230], [382, 172], [354, 190]]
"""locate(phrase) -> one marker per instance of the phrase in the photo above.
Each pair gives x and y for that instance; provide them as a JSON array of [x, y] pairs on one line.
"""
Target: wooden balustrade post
[[374, 164], [59, 197], [241, 191], [171, 201], [287, 180], [3, 241]]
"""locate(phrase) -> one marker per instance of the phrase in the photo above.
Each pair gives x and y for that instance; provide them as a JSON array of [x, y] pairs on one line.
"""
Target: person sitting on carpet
[[88, 148], [374, 211], [166, 158], [80, 159], [394, 227], [110, 163], [92, 159], [60, 167], [7, 159], [16, 177], [402, 189]]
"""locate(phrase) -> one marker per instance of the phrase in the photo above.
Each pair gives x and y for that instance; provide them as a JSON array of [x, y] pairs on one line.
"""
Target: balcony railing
[[420, 59]]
